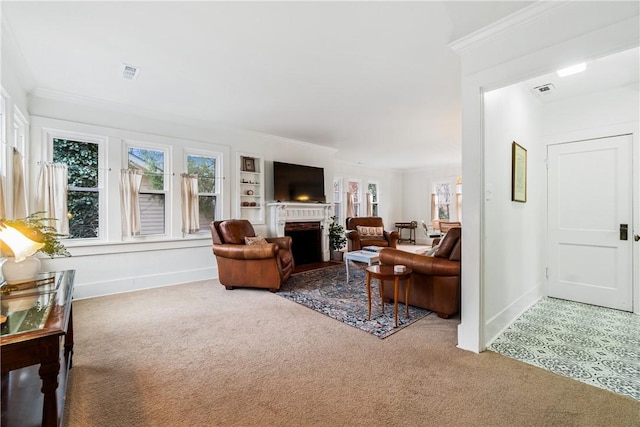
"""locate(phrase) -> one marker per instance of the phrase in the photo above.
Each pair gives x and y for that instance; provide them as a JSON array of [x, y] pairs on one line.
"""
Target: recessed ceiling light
[[129, 72], [574, 69]]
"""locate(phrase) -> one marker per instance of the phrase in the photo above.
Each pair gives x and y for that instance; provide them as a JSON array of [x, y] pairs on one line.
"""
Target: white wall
[[418, 186], [513, 231], [539, 40]]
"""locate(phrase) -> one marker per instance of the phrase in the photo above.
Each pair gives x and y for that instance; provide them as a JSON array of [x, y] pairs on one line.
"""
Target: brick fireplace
[[308, 226]]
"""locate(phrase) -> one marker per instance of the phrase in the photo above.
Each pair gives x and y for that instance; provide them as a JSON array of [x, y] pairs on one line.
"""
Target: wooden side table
[[411, 226], [387, 272], [36, 342]]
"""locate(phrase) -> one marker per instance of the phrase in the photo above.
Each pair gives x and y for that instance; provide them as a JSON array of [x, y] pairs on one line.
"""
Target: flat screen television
[[298, 183]]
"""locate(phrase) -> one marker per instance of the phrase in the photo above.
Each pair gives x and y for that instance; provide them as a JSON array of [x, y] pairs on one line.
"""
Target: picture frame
[[518, 173], [249, 164]]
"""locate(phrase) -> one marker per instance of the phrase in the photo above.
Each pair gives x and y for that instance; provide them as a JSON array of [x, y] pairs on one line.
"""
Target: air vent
[[129, 72], [544, 89]]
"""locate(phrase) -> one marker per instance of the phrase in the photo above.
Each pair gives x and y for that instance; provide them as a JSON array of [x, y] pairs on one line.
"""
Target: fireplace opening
[[307, 241]]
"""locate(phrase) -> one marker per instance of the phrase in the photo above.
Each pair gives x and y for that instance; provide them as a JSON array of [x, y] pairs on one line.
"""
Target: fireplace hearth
[[307, 224], [307, 246]]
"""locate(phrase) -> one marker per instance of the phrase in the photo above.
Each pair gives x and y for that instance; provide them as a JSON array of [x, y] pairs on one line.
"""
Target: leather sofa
[[435, 279], [267, 265], [357, 240]]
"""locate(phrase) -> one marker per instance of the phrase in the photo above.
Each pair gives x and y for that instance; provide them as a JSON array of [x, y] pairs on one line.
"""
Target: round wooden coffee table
[[387, 272]]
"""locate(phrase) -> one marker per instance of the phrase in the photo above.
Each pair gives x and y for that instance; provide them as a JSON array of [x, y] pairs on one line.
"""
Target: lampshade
[[21, 246]]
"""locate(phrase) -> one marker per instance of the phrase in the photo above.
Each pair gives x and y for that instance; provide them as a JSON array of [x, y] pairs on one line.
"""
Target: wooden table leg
[[406, 295], [368, 281], [49, 369], [68, 340], [396, 284]]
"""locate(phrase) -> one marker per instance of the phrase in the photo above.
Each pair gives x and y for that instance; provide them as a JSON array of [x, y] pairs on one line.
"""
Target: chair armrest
[[282, 242], [392, 237], [352, 235], [421, 264], [246, 251]]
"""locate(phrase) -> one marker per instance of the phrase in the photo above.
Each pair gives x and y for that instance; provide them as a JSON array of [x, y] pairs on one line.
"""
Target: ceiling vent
[[544, 89], [129, 72]]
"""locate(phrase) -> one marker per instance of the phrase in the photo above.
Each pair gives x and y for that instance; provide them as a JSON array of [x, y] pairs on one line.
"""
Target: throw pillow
[[258, 240], [365, 231], [431, 251]]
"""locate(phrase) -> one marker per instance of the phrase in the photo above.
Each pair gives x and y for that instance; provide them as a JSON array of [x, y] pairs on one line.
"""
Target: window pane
[[84, 210], [82, 159], [151, 163], [205, 168], [373, 189], [152, 213], [207, 206]]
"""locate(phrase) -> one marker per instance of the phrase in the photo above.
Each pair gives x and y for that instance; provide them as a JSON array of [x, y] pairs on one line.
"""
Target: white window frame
[[101, 141], [218, 190], [356, 205], [338, 200], [376, 201], [167, 181], [436, 214]]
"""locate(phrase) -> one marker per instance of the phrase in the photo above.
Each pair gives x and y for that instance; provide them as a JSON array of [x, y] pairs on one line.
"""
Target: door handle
[[624, 228], [636, 237]]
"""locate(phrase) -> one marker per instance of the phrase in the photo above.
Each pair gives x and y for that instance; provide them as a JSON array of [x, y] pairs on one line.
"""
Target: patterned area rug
[[595, 345], [327, 291]]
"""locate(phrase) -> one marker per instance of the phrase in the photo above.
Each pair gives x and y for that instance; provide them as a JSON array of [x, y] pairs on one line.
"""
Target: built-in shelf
[[250, 188]]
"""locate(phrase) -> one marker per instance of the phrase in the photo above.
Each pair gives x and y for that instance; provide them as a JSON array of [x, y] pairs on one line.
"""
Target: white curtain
[[19, 190], [369, 206], [3, 214], [351, 210], [190, 207], [130, 181], [52, 195]]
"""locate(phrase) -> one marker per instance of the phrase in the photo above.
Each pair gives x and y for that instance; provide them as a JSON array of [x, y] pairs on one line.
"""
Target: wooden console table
[[411, 226], [36, 321]]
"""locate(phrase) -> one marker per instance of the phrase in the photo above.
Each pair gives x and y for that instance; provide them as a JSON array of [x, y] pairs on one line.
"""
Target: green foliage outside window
[[81, 159]]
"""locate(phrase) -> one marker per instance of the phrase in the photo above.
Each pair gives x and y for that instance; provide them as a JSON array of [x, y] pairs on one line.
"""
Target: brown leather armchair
[[435, 279], [250, 266], [357, 240]]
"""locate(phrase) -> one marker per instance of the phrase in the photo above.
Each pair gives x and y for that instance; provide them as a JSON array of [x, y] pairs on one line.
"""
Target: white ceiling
[[375, 80]]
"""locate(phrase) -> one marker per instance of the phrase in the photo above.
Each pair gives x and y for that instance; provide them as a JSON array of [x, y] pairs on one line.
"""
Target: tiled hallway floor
[[595, 345]]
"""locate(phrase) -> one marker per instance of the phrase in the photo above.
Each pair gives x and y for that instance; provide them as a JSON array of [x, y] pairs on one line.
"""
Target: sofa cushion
[[448, 243], [234, 231], [257, 240], [367, 232], [456, 253]]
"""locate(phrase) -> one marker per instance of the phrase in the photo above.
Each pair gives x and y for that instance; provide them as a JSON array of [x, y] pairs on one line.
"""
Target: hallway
[[595, 345]]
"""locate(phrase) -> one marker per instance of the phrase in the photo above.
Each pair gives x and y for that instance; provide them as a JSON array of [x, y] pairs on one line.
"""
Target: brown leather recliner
[[359, 240], [435, 279], [250, 266]]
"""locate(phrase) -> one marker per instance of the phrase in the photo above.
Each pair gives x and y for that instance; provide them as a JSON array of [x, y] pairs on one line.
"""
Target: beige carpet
[[198, 355]]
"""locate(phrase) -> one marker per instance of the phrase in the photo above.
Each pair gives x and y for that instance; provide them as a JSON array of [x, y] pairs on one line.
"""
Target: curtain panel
[[19, 190], [190, 203], [130, 181], [51, 196]]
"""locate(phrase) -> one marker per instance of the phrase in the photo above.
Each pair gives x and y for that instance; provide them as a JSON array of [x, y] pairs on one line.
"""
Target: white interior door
[[589, 197]]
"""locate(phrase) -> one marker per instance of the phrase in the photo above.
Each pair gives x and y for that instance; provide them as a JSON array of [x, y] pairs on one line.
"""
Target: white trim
[[504, 25]]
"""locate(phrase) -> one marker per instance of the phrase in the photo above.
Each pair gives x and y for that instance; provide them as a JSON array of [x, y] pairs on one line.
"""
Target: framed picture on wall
[[249, 164], [518, 173]]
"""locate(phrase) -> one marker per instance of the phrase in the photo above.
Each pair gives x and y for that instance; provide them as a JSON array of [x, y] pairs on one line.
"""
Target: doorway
[[589, 221]]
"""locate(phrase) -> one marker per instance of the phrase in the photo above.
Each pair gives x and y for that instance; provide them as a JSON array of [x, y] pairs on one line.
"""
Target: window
[[83, 188], [153, 190], [372, 188], [337, 200], [354, 188], [206, 167], [19, 132], [442, 200]]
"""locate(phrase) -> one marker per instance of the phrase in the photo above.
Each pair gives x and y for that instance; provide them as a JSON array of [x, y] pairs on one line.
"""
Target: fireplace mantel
[[281, 213]]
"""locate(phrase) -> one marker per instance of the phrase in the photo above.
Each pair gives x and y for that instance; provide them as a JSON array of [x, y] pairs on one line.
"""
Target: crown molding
[[506, 24]]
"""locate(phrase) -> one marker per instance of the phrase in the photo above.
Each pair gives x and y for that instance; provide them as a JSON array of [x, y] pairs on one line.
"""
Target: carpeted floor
[[328, 291]]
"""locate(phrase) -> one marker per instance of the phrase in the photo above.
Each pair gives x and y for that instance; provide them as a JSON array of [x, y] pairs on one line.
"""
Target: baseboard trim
[[130, 284], [499, 323]]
